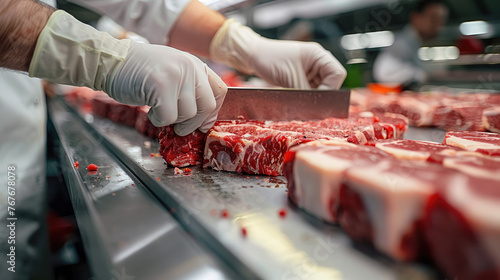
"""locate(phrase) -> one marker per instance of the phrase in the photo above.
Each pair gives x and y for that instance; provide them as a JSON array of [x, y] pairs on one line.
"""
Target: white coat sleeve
[[152, 19]]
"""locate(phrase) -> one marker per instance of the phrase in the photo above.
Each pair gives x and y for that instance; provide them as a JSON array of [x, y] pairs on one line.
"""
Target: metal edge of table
[[111, 213]]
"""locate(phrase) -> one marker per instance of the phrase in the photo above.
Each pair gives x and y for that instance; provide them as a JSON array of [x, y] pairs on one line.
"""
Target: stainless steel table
[[126, 226]]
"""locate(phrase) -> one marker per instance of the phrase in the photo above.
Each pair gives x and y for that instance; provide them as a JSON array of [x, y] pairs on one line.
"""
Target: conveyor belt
[[295, 247]]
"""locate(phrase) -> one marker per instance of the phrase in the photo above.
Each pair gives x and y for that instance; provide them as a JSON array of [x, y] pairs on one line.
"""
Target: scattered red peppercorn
[[152, 155], [159, 179], [244, 232], [187, 170], [92, 167], [282, 213], [77, 164], [224, 213]]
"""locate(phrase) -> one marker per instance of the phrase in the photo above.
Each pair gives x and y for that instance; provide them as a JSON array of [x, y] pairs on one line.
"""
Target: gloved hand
[[284, 63], [179, 87]]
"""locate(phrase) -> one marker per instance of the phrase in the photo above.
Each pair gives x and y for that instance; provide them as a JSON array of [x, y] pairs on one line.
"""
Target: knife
[[284, 104]]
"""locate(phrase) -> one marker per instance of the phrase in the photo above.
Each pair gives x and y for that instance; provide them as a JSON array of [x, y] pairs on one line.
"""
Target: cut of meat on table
[[144, 125], [314, 173], [124, 114], [412, 149], [384, 203], [482, 142], [462, 229], [257, 150], [181, 151], [471, 163], [258, 147], [419, 110], [101, 104], [460, 116], [491, 119]]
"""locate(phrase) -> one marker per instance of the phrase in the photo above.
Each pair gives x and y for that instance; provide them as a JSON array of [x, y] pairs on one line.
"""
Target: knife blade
[[284, 104]]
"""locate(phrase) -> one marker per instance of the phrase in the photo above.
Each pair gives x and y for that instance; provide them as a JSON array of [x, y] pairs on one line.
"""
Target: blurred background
[[464, 54]]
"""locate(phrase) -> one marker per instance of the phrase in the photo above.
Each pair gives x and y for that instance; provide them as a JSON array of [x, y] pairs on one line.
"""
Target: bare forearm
[[21, 22], [195, 28]]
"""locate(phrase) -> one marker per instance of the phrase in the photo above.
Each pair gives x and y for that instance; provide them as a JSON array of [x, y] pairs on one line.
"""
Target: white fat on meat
[[393, 201], [469, 145], [475, 165], [482, 213], [317, 180]]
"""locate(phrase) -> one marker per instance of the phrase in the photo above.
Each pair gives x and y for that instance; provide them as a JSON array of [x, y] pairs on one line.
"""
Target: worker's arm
[[21, 22], [55, 46], [193, 27]]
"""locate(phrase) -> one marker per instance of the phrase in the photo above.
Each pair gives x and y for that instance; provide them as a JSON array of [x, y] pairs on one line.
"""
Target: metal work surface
[[127, 233], [425, 134], [296, 246], [284, 104]]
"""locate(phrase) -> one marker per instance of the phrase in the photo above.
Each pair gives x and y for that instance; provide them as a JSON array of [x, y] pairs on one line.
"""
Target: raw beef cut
[[419, 110], [462, 229], [462, 116], [384, 204], [491, 119], [482, 142], [259, 150], [471, 163], [181, 151], [412, 149], [232, 145], [144, 125], [314, 173], [121, 113], [101, 105]]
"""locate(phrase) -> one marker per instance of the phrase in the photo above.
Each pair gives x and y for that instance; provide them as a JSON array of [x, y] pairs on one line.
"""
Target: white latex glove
[[285, 63], [179, 87]]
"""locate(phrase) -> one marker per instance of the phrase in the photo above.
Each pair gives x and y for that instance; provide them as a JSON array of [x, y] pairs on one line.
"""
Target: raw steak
[[258, 150], [314, 173], [121, 113], [101, 105], [491, 119], [228, 142], [181, 151], [471, 163], [419, 110], [384, 204], [482, 142], [144, 125], [412, 149], [462, 229], [463, 116]]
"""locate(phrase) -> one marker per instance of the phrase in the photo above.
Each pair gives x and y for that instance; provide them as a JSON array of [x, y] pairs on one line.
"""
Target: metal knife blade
[[284, 104]]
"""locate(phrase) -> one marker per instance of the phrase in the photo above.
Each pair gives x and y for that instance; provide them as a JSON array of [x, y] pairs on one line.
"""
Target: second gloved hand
[[285, 63], [179, 87]]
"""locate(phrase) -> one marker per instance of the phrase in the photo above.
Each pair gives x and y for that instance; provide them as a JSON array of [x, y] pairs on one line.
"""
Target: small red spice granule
[[244, 232], [77, 164], [187, 171], [159, 179], [108, 176], [152, 155], [92, 167], [224, 213], [282, 213]]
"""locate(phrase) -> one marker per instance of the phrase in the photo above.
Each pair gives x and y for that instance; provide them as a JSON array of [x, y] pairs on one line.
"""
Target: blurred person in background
[[400, 63], [180, 89]]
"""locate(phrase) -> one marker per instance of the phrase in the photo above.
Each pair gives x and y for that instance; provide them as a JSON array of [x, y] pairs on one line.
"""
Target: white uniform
[[400, 63], [152, 19]]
